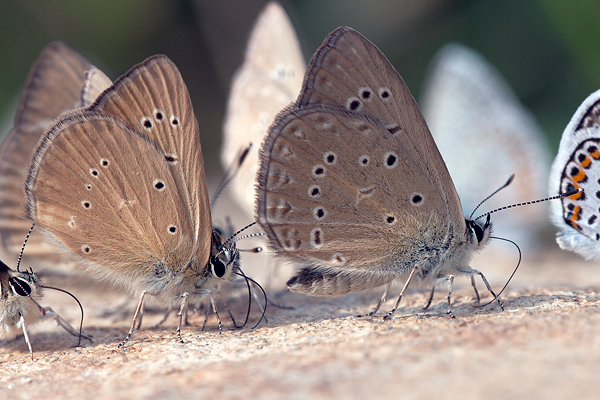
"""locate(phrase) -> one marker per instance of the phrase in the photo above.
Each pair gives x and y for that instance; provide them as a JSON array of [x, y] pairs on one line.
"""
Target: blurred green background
[[548, 50]]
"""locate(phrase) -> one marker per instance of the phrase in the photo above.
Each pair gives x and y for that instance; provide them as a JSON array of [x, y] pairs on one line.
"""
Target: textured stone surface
[[544, 345]]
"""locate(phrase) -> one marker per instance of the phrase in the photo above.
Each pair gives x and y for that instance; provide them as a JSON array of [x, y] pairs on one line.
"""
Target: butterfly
[[476, 121], [269, 79], [20, 292], [121, 184], [59, 81], [576, 166], [351, 186]]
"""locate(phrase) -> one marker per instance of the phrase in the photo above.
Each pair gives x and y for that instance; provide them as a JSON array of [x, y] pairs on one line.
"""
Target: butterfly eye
[[478, 230], [20, 286], [217, 268]]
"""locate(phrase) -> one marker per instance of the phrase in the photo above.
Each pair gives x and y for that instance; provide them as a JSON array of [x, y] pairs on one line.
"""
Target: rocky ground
[[546, 343]]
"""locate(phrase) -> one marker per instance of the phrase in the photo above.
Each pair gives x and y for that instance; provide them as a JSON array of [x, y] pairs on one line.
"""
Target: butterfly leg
[[141, 316], [182, 310], [206, 315], [227, 308], [135, 319], [22, 324], [430, 298], [393, 310], [475, 289], [214, 306], [450, 279], [474, 272], [164, 318], [381, 301], [210, 301], [49, 312]]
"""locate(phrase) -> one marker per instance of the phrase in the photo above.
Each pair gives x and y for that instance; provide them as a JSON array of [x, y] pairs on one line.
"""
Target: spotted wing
[[350, 72], [108, 194], [577, 165], [55, 85], [152, 99], [337, 191]]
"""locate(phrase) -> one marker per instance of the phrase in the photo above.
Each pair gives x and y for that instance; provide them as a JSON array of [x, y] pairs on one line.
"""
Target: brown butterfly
[[59, 81], [121, 184], [351, 186]]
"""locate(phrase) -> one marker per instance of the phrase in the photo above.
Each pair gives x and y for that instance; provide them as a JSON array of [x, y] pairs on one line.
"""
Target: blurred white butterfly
[[269, 79], [577, 165], [485, 135]]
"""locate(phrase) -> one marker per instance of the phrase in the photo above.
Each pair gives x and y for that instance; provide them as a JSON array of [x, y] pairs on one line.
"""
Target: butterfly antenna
[[80, 307], [248, 280], [23, 248], [560, 196], [511, 275], [230, 174], [240, 231], [508, 182]]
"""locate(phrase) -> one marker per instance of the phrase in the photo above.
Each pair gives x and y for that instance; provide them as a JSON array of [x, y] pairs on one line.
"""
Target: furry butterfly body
[[19, 308]]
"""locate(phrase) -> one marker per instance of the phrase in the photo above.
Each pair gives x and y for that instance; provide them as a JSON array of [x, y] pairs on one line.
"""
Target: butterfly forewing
[[117, 184], [54, 85], [273, 49], [153, 100], [350, 72]]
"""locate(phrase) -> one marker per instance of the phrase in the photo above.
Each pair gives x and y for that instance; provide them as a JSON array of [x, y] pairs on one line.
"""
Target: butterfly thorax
[[169, 282], [440, 248]]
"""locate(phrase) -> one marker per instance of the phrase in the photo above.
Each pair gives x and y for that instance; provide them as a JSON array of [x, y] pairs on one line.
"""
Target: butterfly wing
[[350, 72], [55, 85], [269, 79], [94, 84], [576, 165], [108, 194], [477, 121], [152, 99]]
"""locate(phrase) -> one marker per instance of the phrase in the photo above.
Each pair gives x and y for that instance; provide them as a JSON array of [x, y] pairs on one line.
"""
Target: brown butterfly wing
[[152, 99], [54, 86], [108, 194], [328, 190]]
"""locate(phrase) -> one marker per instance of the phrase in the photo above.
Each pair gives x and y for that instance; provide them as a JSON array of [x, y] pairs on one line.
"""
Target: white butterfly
[[485, 135], [577, 165], [269, 79]]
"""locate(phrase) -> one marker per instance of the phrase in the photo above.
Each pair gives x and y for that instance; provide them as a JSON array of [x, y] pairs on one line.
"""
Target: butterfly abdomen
[[322, 281]]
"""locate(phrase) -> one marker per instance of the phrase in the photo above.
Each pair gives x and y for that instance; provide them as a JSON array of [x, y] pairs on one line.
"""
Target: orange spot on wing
[[580, 176], [586, 162]]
